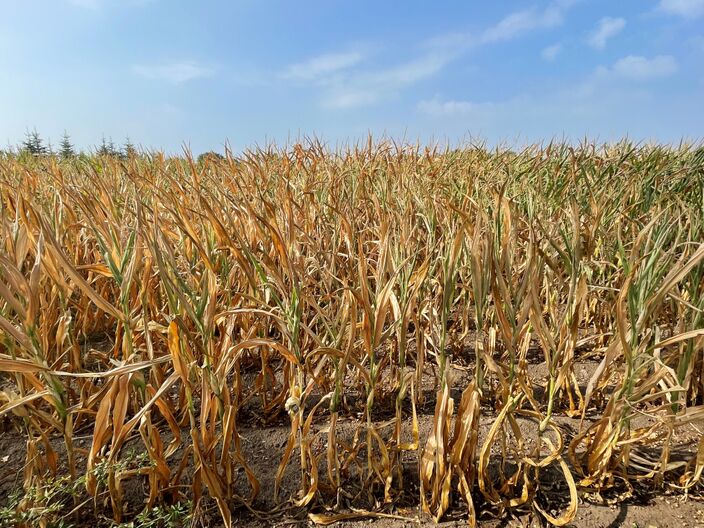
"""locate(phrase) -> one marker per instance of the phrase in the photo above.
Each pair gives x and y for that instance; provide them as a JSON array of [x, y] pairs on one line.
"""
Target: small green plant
[[44, 503], [53, 499], [174, 516]]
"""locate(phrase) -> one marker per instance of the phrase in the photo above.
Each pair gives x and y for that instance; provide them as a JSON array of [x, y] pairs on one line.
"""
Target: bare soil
[[263, 445]]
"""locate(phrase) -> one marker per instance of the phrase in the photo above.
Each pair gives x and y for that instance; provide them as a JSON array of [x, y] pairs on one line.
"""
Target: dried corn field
[[470, 333]]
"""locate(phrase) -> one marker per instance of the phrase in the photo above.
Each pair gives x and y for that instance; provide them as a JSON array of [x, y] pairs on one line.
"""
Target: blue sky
[[173, 72]]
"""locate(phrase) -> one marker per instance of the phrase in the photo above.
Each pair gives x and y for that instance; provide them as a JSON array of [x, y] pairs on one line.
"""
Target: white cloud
[[350, 89], [641, 68], [366, 88], [620, 76], [607, 28], [174, 72], [551, 52], [350, 99], [511, 26], [609, 110], [436, 107], [322, 65], [522, 22], [413, 71], [683, 8]]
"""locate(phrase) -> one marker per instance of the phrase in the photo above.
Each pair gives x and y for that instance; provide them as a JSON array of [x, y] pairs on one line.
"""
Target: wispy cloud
[[512, 26], [621, 76], [347, 87], [174, 72], [412, 71], [607, 28], [613, 84], [322, 65], [437, 107], [683, 8], [641, 68], [551, 52], [350, 99], [367, 88], [609, 109], [521, 22]]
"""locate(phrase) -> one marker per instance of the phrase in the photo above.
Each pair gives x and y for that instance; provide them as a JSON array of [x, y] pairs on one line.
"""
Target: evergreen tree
[[34, 144], [112, 151], [66, 149], [103, 148], [129, 149], [106, 148]]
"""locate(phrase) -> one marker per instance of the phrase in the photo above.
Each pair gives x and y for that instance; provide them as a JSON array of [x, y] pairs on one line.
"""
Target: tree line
[[34, 145]]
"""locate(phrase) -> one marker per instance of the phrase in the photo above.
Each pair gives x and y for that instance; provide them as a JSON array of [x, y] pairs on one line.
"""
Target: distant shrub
[[210, 156]]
